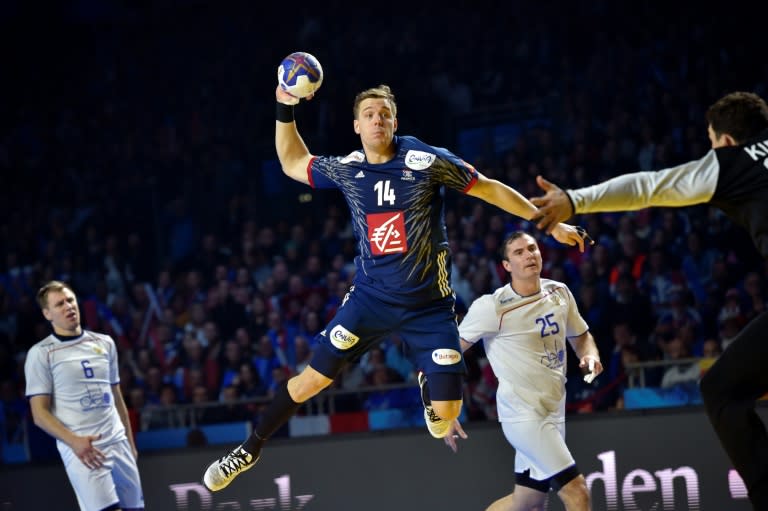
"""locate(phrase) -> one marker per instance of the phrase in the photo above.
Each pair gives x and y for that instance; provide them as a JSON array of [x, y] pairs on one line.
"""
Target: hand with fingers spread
[[84, 449], [555, 206], [454, 433]]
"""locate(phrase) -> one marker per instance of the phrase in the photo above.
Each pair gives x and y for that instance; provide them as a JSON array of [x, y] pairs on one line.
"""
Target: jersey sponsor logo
[[408, 175], [446, 357], [95, 397], [360, 175], [353, 157], [386, 233], [342, 338], [553, 359], [418, 160]]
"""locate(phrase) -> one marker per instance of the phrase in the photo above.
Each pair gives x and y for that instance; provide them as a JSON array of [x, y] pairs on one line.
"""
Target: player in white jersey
[[524, 326], [733, 177], [74, 394]]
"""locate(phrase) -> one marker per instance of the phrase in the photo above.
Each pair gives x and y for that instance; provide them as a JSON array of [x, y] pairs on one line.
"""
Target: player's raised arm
[[291, 150], [299, 76]]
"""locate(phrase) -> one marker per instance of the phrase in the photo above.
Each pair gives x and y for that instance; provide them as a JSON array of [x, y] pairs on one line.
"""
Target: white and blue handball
[[300, 74]]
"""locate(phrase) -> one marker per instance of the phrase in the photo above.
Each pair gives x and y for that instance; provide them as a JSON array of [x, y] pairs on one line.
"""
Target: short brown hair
[[742, 115], [54, 285], [509, 239], [382, 91]]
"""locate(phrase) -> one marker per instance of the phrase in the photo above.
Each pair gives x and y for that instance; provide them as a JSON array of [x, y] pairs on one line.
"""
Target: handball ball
[[300, 74]]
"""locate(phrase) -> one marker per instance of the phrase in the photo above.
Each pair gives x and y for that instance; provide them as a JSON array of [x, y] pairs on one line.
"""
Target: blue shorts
[[429, 332]]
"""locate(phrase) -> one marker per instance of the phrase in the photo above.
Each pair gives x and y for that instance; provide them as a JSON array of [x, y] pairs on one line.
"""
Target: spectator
[[265, 361], [395, 358], [303, 353], [710, 351], [387, 398], [697, 263], [731, 318], [231, 410], [756, 302], [166, 414], [675, 349], [231, 363], [248, 384], [631, 306]]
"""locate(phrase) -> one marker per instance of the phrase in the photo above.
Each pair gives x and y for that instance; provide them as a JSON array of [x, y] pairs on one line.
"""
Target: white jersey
[[78, 374], [525, 339]]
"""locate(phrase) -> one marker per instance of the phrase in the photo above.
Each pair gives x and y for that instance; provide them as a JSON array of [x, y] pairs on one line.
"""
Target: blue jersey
[[397, 212]]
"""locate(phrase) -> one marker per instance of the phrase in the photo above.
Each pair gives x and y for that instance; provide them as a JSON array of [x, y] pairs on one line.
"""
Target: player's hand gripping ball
[[300, 74]]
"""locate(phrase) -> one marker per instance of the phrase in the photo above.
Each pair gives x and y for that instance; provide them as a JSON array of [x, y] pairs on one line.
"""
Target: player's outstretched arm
[[555, 206], [510, 200], [688, 184], [503, 196], [291, 150]]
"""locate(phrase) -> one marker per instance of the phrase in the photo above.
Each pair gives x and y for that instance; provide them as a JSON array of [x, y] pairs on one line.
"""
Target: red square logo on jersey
[[386, 233]]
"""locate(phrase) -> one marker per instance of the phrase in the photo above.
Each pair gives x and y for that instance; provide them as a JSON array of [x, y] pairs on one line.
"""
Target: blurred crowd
[[140, 168]]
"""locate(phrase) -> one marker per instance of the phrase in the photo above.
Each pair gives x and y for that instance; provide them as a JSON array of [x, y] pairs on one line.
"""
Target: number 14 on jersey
[[384, 192]]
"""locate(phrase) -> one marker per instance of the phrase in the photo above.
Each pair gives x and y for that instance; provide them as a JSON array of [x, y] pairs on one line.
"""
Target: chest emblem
[[386, 233]]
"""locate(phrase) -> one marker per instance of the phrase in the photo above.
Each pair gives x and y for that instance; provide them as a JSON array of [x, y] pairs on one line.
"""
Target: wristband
[[284, 113]]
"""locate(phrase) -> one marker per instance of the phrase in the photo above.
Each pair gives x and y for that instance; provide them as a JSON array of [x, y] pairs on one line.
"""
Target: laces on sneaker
[[221, 472], [433, 417], [235, 461]]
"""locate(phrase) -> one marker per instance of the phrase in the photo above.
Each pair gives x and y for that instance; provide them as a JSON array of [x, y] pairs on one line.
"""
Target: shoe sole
[[438, 436], [230, 480]]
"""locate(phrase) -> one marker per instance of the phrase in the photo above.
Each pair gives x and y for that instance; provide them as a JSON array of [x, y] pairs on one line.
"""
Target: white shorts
[[116, 481], [539, 447]]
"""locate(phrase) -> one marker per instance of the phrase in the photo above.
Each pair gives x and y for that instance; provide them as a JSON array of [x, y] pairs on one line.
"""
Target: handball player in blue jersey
[[394, 187]]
